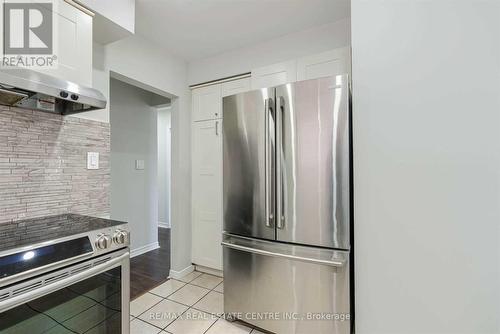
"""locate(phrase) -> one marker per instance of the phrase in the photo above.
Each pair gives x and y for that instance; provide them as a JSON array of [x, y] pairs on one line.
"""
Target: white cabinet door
[[274, 75], [235, 86], [207, 194], [74, 45], [207, 103], [324, 64]]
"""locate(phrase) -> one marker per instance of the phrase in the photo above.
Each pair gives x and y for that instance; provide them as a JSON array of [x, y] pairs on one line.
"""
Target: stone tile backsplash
[[43, 165]]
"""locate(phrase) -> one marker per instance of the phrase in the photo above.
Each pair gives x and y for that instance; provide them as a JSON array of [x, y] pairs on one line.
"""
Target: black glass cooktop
[[31, 231]]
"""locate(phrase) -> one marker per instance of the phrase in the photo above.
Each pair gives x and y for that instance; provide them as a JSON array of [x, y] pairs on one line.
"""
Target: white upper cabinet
[[274, 75], [319, 65], [73, 46], [235, 86], [207, 103], [207, 194], [324, 64]]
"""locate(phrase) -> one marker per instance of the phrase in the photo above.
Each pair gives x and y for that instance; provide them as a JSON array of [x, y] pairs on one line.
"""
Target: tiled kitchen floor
[[191, 305]]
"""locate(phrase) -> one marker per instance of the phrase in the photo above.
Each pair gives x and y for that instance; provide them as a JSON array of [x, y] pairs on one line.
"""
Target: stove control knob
[[103, 241], [120, 237]]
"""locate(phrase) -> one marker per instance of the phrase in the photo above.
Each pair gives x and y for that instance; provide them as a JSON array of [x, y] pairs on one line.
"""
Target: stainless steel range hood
[[34, 90]]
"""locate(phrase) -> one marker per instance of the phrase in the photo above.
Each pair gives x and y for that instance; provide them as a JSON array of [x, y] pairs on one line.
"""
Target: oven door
[[90, 297]]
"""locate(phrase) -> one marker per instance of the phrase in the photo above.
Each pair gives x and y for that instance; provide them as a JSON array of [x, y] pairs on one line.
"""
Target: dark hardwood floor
[[152, 268]]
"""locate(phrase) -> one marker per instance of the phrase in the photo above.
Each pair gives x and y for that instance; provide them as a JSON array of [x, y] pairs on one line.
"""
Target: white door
[[274, 75], [207, 194], [333, 62], [207, 103]]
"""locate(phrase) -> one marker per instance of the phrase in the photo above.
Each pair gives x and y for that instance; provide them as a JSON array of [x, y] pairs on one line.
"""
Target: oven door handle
[[44, 290]]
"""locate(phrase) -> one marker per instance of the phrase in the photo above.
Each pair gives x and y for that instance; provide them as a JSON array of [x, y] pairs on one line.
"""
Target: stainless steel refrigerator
[[287, 207]]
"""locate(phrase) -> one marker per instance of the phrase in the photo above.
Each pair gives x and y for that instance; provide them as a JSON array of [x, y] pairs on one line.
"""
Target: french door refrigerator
[[287, 207]]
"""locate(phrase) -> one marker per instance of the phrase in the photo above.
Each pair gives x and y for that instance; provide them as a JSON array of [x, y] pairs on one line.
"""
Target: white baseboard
[[181, 273], [207, 270], [144, 249], [163, 225]]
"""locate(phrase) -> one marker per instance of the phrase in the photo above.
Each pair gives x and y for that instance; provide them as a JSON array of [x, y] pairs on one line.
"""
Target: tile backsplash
[[43, 165]]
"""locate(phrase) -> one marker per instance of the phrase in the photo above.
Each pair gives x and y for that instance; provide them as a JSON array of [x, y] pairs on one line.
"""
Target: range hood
[[34, 90]]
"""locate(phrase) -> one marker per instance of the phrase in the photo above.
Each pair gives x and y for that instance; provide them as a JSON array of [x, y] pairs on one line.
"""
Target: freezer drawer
[[286, 289]]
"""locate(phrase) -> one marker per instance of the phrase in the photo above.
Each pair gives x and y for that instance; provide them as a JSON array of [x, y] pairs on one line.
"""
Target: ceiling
[[195, 29]]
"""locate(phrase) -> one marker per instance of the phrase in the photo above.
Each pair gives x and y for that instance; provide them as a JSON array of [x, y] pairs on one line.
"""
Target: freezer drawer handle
[[338, 263]]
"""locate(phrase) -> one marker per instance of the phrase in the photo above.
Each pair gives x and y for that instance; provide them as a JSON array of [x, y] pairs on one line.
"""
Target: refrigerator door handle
[[338, 263], [280, 168], [270, 153]]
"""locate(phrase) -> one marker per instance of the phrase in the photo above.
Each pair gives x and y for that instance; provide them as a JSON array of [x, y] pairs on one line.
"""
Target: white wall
[[426, 78], [291, 46], [121, 12], [164, 166], [147, 66], [145, 63], [134, 193]]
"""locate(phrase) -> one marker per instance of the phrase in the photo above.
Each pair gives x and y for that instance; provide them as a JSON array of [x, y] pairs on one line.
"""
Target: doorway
[[140, 181], [164, 165], [164, 184]]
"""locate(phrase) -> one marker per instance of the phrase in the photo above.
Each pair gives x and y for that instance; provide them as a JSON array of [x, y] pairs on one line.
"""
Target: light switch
[[139, 164], [92, 160]]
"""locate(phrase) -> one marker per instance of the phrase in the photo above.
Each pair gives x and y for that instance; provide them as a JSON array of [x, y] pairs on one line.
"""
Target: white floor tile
[[225, 327], [207, 281], [191, 322], [220, 288], [163, 313], [256, 331], [189, 277], [212, 303], [168, 288], [188, 294], [142, 303], [140, 327]]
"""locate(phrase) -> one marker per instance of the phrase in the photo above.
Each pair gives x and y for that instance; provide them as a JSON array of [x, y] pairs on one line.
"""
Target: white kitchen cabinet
[[236, 86], [274, 75], [324, 64], [207, 194], [207, 103], [207, 170], [73, 45]]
